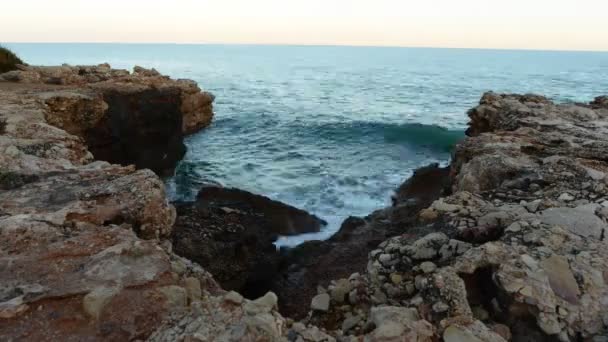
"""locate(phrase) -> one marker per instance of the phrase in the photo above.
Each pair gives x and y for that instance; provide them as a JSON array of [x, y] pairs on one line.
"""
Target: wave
[[434, 137]]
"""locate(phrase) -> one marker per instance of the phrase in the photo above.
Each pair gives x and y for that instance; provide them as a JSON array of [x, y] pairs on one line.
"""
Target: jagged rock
[[345, 253], [575, 220], [231, 232], [124, 118], [520, 242], [399, 324]]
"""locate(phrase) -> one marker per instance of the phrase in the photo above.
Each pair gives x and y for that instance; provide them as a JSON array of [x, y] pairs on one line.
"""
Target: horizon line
[[316, 45]]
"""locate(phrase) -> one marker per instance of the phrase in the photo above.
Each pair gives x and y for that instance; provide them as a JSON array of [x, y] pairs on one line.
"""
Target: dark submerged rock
[[230, 232]]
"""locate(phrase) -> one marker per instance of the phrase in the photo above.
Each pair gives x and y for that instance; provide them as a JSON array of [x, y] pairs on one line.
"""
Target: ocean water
[[334, 130]]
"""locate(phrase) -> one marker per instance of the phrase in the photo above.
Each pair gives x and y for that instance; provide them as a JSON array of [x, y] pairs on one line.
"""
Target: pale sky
[[511, 24]]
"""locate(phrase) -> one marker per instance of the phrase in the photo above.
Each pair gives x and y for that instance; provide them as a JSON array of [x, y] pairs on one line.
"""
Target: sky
[[511, 24]]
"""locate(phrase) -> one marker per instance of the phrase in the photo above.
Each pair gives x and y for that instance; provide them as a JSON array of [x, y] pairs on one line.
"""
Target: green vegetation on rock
[[8, 60]]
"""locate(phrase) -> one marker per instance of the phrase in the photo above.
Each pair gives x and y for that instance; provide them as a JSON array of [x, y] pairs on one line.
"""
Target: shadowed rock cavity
[[142, 127]]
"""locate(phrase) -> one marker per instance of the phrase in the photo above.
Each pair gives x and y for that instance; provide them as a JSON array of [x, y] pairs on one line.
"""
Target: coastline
[[510, 243]]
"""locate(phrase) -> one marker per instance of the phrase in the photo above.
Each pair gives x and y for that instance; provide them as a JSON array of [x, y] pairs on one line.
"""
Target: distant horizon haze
[[519, 25]]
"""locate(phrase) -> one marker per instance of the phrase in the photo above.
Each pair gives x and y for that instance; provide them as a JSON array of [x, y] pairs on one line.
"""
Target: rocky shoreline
[[507, 243]]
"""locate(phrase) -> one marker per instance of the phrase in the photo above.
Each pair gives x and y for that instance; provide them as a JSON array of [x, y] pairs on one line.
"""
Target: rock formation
[[508, 243], [124, 118], [231, 232], [517, 251]]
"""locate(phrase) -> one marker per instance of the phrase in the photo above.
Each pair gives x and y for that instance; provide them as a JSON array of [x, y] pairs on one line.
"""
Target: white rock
[[320, 302]]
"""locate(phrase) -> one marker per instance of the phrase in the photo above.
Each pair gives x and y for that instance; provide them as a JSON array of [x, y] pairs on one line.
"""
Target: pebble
[[350, 323], [428, 267], [320, 302], [440, 307]]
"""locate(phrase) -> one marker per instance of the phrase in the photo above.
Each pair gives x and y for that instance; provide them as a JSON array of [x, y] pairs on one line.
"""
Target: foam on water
[[333, 130]]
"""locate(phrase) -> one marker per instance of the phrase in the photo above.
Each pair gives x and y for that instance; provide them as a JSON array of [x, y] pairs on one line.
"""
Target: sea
[[333, 130]]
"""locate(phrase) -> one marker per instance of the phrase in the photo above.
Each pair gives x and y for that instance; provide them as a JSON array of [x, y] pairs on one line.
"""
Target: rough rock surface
[[83, 249], [514, 249], [517, 251], [231, 233], [316, 263], [126, 118]]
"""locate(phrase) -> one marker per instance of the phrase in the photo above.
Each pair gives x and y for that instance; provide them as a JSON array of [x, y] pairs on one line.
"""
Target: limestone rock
[[320, 302]]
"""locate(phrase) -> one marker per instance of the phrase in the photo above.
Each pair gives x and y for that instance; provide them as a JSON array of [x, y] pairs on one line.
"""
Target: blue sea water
[[334, 130]]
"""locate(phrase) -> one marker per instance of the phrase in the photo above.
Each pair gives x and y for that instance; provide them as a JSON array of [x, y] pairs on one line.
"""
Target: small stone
[[417, 300], [428, 215], [440, 205], [529, 261], [428, 267], [561, 279], [341, 290], [13, 308], [410, 288], [350, 323], [352, 297], [379, 297], [480, 313], [533, 206], [263, 304], [548, 324], [566, 197], [354, 276], [176, 295], [233, 297], [396, 278], [421, 282], [440, 307], [502, 330], [514, 227], [455, 333], [320, 302], [193, 288], [385, 258]]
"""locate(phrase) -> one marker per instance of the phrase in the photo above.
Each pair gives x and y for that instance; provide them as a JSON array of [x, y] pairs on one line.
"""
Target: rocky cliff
[[508, 243], [124, 118], [85, 250]]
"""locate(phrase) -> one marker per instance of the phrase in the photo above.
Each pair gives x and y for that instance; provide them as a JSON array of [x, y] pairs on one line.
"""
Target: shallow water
[[334, 130]]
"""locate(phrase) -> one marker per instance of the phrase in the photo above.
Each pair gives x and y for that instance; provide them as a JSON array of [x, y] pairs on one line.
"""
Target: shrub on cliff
[[8, 60]]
